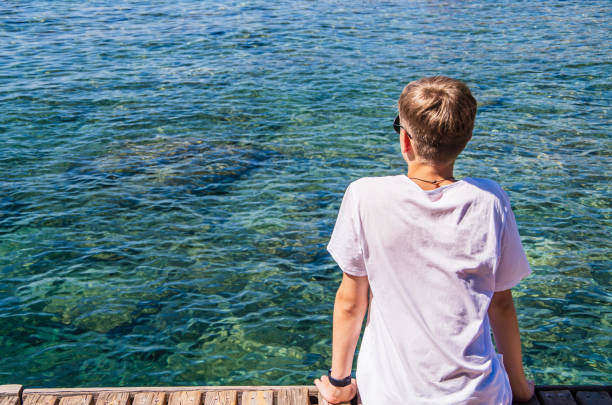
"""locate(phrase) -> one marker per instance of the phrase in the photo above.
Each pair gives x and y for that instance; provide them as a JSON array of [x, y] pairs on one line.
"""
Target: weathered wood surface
[[11, 390], [312, 390], [248, 395], [39, 399], [221, 398], [113, 398], [10, 394], [77, 400], [149, 398], [293, 396], [185, 398], [593, 398], [563, 397], [258, 398], [9, 400]]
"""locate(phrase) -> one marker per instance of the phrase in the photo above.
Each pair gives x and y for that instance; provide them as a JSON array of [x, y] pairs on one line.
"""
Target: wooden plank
[[113, 398], [185, 398], [149, 398], [221, 398], [39, 399], [59, 392], [293, 396], [10, 394], [322, 401], [574, 388], [77, 400], [257, 398], [13, 400], [593, 398], [563, 397], [11, 390]]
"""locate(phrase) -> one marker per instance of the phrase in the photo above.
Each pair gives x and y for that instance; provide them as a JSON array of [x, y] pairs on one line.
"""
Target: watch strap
[[338, 383]]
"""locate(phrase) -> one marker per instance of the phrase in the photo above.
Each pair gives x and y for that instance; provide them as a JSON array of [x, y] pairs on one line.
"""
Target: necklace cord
[[434, 182]]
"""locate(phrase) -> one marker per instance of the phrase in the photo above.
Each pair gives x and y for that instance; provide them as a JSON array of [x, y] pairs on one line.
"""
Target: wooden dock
[[247, 395]]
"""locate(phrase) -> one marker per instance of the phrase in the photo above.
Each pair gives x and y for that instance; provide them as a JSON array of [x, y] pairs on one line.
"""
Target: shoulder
[[369, 187], [366, 184], [488, 188], [492, 194]]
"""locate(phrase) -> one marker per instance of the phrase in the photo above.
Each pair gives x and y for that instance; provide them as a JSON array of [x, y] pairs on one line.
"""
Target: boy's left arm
[[349, 310], [504, 323]]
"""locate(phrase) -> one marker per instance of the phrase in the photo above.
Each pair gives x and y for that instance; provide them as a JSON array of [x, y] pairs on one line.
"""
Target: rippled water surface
[[171, 173]]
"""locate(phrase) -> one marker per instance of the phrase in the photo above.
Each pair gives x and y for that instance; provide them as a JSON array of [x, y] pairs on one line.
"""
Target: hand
[[333, 394], [526, 393]]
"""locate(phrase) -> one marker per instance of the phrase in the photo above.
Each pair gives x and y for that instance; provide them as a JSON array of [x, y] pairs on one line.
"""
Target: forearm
[[508, 341], [348, 319]]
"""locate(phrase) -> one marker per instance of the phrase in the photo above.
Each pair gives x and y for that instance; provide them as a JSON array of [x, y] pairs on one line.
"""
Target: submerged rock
[[89, 305], [193, 166]]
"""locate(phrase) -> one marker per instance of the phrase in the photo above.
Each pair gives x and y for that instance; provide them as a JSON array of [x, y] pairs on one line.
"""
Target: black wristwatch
[[338, 383]]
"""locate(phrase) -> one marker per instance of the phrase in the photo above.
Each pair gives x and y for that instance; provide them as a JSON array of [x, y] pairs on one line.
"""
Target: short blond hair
[[439, 114]]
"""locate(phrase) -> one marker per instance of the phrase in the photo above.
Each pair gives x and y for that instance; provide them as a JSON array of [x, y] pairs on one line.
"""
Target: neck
[[430, 172]]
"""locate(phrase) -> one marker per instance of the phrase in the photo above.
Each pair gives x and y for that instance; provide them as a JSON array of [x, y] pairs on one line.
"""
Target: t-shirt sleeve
[[346, 240], [512, 265]]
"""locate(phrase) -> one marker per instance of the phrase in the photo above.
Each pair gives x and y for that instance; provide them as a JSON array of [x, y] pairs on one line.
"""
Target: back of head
[[439, 114]]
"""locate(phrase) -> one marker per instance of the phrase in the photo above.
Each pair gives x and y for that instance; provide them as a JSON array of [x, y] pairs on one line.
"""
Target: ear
[[406, 144]]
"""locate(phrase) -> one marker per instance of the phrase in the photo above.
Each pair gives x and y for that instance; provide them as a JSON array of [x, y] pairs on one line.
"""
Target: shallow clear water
[[171, 172]]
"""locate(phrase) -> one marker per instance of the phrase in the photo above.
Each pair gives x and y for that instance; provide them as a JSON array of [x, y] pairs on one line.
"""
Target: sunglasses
[[397, 126]]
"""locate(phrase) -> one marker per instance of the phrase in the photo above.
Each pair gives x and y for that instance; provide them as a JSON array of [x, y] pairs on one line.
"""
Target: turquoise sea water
[[171, 173]]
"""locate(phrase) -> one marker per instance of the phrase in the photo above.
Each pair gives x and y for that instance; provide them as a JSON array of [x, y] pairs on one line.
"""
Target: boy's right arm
[[502, 317]]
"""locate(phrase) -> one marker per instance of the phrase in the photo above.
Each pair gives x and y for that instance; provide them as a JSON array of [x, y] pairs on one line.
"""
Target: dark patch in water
[[200, 168]]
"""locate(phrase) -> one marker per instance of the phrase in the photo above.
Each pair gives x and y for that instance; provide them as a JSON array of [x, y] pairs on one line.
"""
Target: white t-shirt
[[433, 260]]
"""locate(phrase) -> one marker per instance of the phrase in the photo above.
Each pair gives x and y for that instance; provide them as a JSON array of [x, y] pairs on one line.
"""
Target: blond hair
[[439, 114]]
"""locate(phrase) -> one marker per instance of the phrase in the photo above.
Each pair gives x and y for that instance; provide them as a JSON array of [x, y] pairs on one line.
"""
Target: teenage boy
[[439, 257]]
